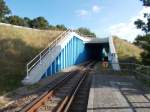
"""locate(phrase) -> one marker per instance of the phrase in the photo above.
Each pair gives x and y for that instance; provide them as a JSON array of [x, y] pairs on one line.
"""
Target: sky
[[103, 17]]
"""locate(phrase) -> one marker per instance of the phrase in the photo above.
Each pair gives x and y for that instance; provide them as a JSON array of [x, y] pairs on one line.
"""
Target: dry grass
[[17, 47], [127, 52], [34, 38]]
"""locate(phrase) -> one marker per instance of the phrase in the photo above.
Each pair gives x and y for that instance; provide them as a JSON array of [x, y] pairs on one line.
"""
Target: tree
[[40, 23], [4, 10], [146, 2], [51, 27], [141, 40], [61, 27], [144, 41], [86, 31], [144, 26], [27, 21], [15, 20]]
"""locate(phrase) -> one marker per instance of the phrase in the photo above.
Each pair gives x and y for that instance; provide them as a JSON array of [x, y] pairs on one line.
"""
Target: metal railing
[[136, 69], [37, 59]]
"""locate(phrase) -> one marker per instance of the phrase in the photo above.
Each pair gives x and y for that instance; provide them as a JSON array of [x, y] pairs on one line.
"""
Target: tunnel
[[95, 51]]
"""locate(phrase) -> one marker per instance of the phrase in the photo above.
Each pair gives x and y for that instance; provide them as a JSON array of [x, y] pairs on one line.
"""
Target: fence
[[139, 71]]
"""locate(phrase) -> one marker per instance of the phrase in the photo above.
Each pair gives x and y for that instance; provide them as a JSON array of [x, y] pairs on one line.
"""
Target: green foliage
[[61, 27], [86, 31], [146, 2], [144, 26], [4, 10], [126, 51], [27, 21], [140, 40], [51, 27], [144, 42], [39, 23], [16, 20], [140, 24]]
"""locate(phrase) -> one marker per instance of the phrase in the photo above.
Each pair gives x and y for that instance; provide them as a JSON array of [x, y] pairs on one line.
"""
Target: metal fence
[[139, 71]]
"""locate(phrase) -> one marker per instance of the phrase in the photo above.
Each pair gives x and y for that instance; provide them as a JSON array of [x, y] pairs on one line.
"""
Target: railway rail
[[60, 97], [26, 99]]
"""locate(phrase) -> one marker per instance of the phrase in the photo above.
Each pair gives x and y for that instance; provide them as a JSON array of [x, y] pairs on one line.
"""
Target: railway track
[[79, 99], [60, 97], [79, 103], [26, 99]]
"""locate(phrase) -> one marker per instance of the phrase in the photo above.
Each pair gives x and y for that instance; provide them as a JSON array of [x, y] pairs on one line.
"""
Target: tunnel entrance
[[95, 50]]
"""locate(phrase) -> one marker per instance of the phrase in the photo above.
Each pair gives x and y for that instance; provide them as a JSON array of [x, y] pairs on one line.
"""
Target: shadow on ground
[[119, 92], [14, 54]]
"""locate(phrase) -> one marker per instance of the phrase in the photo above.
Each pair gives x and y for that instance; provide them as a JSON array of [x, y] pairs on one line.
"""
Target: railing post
[[49, 48], [40, 59], [27, 77]]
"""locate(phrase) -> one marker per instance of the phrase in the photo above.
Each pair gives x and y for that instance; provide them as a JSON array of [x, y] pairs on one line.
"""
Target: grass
[[17, 47], [127, 52]]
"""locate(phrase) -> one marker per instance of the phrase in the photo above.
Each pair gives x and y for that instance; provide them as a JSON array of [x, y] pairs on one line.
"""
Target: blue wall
[[73, 53]]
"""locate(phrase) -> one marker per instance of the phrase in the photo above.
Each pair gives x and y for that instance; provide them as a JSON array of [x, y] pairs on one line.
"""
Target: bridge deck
[[115, 93]]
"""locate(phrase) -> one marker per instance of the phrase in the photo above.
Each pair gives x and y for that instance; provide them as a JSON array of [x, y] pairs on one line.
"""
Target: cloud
[[82, 13], [128, 30], [125, 30], [96, 9]]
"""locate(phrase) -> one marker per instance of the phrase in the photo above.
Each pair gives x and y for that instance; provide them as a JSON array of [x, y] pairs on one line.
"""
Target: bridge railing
[[37, 59]]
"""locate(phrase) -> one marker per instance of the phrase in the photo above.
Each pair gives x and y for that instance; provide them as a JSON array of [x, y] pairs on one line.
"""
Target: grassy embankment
[[127, 52], [17, 47]]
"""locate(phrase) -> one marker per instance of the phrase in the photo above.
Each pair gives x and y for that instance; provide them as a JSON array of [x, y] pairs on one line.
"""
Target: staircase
[[38, 65]]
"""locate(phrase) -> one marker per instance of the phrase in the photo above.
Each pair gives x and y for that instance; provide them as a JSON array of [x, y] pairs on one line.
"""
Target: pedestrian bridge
[[70, 48]]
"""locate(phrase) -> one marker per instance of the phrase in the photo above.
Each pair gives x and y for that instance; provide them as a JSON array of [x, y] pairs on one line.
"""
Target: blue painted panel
[[59, 62], [53, 67], [62, 64], [73, 53], [49, 71]]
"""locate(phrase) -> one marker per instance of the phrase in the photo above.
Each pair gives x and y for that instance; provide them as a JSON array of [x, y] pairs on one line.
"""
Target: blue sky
[[101, 16]]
